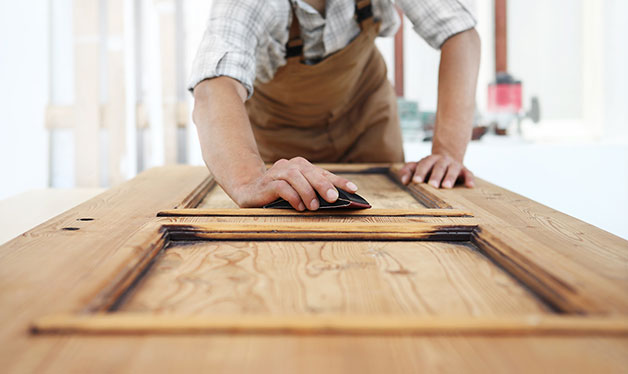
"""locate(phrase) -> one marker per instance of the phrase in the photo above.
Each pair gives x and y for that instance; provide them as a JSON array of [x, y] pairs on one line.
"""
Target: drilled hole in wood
[[70, 228], [85, 219]]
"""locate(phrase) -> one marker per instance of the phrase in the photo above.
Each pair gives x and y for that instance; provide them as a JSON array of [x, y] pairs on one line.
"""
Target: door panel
[[411, 263], [106, 267], [327, 277]]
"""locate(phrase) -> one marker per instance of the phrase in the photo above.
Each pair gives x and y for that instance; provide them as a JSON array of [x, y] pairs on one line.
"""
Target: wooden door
[[479, 263]]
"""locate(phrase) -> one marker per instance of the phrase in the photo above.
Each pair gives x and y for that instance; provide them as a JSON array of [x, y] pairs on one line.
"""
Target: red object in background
[[504, 97]]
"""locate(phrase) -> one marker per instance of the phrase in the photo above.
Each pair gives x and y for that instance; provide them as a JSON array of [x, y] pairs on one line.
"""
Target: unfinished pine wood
[[341, 216], [318, 230], [320, 218], [578, 266], [43, 271], [261, 212], [327, 278], [140, 323], [328, 354], [56, 264], [216, 198]]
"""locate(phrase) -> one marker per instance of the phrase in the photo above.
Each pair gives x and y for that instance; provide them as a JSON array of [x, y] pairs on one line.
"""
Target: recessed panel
[[327, 278]]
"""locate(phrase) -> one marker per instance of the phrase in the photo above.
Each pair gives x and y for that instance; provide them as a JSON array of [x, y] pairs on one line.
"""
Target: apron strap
[[294, 46], [363, 13]]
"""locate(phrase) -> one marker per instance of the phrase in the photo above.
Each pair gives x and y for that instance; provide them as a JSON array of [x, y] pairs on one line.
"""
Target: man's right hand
[[294, 180]]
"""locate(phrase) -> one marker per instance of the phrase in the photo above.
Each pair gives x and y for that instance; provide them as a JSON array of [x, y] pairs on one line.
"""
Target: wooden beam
[[128, 323], [399, 69], [319, 231], [501, 37], [260, 212]]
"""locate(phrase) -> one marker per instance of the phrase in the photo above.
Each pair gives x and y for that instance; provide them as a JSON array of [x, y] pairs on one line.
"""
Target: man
[[300, 81]]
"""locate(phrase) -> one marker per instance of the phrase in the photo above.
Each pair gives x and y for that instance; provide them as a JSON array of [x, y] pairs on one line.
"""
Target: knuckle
[[409, 166], [327, 174], [299, 160], [280, 162]]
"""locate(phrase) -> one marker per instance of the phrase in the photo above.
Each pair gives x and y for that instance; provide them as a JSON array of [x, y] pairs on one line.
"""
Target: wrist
[[454, 151]]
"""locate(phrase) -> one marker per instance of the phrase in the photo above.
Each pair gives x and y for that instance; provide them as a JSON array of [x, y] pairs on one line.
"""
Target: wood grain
[[132, 323], [53, 267], [43, 271], [313, 218], [567, 253], [327, 278], [320, 231], [197, 195], [260, 212], [321, 353], [216, 198]]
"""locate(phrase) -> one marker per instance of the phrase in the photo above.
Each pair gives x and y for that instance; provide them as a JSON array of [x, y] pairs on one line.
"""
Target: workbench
[[165, 274]]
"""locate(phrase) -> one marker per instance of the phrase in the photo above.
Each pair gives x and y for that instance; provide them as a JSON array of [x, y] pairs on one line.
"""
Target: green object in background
[[409, 119]]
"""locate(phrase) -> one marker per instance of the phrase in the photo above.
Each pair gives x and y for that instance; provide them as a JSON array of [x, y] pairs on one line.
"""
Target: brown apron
[[342, 109]]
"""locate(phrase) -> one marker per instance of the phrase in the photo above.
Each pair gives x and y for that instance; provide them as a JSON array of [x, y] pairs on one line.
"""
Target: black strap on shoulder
[[363, 10], [294, 46]]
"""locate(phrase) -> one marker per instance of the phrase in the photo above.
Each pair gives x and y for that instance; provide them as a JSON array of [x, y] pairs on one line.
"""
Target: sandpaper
[[346, 200]]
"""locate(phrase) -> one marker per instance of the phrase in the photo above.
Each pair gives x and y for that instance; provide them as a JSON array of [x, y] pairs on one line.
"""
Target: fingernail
[[434, 184], [301, 206], [404, 179], [447, 184], [471, 184], [332, 194], [417, 179], [314, 204], [352, 187]]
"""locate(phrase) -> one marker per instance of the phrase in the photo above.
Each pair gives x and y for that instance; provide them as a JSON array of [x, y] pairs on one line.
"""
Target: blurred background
[[93, 92]]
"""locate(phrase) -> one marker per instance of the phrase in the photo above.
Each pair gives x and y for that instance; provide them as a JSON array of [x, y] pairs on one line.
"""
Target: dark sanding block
[[346, 200]]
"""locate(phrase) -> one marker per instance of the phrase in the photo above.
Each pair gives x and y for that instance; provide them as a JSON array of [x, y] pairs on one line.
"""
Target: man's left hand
[[442, 170]]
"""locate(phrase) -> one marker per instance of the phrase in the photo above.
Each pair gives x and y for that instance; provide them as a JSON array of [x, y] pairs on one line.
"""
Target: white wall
[[545, 50], [616, 69], [24, 94]]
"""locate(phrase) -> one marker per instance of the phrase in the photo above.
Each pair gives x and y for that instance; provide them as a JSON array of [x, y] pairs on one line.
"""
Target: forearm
[[457, 79], [227, 141]]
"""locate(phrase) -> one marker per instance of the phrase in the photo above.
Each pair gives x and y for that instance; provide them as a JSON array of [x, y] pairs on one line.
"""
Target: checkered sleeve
[[438, 20], [229, 42]]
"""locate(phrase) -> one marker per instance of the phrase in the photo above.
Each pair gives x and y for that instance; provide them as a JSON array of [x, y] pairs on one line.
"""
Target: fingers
[[438, 172], [443, 171], [305, 180], [294, 176], [423, 168], [339, 181], [322, 184], [453, 170], [467, 176], [406, 172], [284, 190]]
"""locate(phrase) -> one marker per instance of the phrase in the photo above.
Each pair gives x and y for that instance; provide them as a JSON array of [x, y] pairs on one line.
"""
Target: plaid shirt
[[245, 39]]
